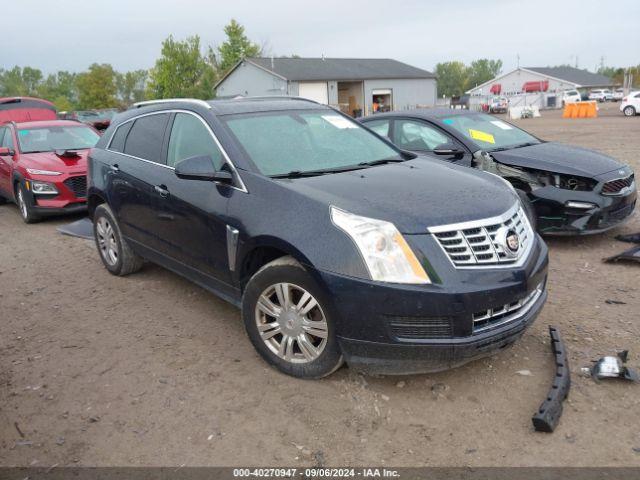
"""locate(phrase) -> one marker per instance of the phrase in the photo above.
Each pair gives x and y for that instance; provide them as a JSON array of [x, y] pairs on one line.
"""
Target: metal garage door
[[316, 91]]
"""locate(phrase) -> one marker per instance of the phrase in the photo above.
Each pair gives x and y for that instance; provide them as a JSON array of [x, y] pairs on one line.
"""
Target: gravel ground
[[152, 370]]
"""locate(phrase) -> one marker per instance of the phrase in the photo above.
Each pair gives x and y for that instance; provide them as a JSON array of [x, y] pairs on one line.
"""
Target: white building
[[540, 86]]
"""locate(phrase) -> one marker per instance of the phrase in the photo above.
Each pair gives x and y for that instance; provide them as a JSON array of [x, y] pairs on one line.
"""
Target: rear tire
[[290, 320], [528, 209], [25, 205], [116, 254], [629, 111]]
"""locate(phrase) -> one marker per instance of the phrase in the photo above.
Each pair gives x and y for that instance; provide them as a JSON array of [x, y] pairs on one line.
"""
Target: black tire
[[125, 261], [287, 270], [2, 200], [629, 111], [528, 208], [24, 200]]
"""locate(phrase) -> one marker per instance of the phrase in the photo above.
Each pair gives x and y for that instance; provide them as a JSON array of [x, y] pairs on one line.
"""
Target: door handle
[[162, 190], [115, 168]]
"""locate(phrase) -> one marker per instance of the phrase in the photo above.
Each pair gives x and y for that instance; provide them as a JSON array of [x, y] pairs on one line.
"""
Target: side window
[[6, 139], [416, 135], [381, 127], [637, 95], [146, 136], [119, 137], [191, 138]]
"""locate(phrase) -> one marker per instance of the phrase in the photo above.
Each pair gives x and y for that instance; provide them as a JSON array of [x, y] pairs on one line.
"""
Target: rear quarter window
[[119, 137], [146, 136]]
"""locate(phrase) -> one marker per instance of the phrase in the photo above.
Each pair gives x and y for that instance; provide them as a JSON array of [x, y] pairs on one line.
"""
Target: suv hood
[[413, 195], [51, 161], [558, 158]]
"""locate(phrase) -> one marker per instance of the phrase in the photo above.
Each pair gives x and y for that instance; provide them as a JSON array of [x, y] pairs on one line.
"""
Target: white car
[[630, 105], [571, 96], [601, 95], [618, 94]]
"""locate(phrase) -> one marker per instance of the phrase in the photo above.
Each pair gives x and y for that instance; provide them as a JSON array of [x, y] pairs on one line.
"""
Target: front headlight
[[43, 188], [386, 253]]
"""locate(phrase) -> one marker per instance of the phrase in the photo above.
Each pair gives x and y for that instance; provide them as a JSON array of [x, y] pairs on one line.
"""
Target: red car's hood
[[52, 161]]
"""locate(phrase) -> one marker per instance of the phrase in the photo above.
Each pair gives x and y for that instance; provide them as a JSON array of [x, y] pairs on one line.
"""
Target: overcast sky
[[71, 34]]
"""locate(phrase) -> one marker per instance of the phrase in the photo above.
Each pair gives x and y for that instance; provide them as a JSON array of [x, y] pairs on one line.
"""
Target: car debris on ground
[[633, 254], [612, 367], [548, 415]]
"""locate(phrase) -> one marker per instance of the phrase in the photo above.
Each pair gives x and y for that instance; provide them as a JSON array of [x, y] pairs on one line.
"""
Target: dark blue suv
[[335, 244]]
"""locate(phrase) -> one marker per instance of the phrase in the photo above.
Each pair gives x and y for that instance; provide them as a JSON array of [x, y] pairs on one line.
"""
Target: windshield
[[302, 141], [49, 139], [488, 132]]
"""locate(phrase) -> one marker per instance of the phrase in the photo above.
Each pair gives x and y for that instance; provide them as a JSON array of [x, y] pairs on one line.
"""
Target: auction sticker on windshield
[[502, 125], [339, 122], [482, 136]]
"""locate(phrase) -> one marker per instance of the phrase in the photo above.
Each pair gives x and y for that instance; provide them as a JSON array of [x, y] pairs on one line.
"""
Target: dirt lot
[[152, 370]]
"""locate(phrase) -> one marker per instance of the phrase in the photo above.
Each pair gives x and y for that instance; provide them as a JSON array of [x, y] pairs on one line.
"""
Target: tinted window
[[2, 134], [281, 142], [146, 137], [190, 138], [415, 135], [381, 127], [118, 139], [637, 95]]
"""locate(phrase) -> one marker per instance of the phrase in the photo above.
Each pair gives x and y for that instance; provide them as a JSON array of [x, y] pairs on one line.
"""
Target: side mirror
[[201, 168], [449, 150], [6, 152]]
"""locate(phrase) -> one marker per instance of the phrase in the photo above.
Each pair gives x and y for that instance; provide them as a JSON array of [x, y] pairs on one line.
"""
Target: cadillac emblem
[[509, 241]]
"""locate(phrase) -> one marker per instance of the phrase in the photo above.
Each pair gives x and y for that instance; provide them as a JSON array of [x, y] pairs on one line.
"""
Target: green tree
[[131, 86], [97, 87], [61, 89], [482, 70], [182, 71], [19, 81], [236, 47], [452, 78]]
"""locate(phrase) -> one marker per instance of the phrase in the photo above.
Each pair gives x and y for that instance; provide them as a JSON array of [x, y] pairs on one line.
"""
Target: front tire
[[629, 111], [116, 254], [528, 209], [290, 322], [25, 205]]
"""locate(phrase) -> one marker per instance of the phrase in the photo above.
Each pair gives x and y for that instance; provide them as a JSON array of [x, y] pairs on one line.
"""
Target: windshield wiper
[[315, 173], [510, 147], [382, 162]]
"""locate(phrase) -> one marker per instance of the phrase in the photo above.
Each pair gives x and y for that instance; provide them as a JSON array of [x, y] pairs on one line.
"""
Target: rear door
[[136, 174]]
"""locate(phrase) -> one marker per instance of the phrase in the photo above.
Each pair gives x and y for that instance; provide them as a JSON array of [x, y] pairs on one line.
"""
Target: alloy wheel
[[107, 241], [629, 111], [291, 323]]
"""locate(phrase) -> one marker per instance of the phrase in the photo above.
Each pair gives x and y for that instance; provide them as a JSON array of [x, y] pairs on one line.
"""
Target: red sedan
[[43, 166]]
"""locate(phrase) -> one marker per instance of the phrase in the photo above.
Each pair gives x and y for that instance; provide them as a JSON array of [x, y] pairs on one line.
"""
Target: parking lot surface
[[152, 370]]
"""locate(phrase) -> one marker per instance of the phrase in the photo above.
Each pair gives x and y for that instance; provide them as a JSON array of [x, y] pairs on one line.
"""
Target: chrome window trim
[[480, 224], [242, 187]]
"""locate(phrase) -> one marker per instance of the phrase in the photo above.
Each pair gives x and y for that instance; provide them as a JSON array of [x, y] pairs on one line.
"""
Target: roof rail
[[272, 97], [195, 101]]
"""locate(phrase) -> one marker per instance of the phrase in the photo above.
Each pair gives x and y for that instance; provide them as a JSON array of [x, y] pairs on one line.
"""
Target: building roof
[[582, 78], [301, 69]]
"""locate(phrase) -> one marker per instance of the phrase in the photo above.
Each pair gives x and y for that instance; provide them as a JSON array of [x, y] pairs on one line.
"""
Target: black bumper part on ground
[[548, 415]]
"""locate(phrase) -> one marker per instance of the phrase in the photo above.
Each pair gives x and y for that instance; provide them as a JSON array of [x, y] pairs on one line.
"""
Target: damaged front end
[[570, 204]]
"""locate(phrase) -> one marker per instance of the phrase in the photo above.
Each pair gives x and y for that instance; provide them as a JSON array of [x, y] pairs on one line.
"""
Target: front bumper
[[396, 329], [67, 201], [556, 218]]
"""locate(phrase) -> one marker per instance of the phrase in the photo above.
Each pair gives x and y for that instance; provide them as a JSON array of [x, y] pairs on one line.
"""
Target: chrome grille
[[474, 244], [614, 187], [502, 314]]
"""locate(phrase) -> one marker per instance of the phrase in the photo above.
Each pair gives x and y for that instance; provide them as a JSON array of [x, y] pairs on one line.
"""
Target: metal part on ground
[[613, 367], [548, 415]]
